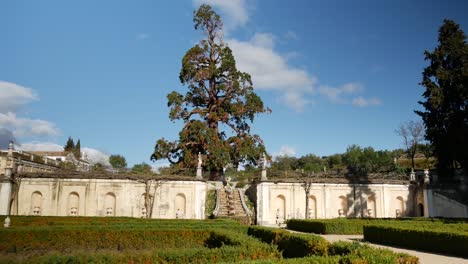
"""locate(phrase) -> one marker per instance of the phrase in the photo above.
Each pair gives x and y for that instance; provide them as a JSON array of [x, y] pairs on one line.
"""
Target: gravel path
[[424, 257]]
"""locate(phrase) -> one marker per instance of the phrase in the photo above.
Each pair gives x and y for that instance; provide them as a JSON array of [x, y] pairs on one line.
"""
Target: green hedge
[[351, 226], [43, 240], [417, 237], [330, 226], [316, 249], [292, 245], [218, 246], [228, 254]]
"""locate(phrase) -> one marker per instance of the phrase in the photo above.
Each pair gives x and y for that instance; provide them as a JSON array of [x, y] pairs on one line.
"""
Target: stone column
[[427, 194], [7, 185]]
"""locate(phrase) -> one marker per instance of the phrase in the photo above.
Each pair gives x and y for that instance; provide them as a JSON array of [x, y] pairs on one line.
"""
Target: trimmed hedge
[[416, 237], [316, 249], [330, 226], [223, 254], [352, 226], [219, 246], [292, 245], [43, 240]]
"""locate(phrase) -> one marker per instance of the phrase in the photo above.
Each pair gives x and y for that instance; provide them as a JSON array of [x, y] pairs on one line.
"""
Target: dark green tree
[[218, 108], [77, 150], [446, 98], [117, 161], [142, 168], [70, 145]]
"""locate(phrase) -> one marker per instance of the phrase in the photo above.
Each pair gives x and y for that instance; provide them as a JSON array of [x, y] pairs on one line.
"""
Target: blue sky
[[334, 73]]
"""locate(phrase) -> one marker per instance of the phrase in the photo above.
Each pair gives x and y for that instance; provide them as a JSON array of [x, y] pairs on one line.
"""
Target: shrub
[[430, 239], [292, 245], [301, 245], [330, 226]]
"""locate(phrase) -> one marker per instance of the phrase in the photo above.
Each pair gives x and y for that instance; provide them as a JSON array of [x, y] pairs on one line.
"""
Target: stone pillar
[[427, 194], [7, 186], [412, 175]]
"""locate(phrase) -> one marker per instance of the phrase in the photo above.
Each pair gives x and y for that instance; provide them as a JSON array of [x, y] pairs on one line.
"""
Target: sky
[[334, 73]]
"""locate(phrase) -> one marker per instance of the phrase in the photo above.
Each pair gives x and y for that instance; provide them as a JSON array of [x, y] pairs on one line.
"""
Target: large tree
[[218, 108], [446, 98], [117, 161]]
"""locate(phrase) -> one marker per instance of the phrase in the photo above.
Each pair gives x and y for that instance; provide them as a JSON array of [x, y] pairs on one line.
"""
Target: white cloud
[[96, 156], [143, 36], [235, 11], [337, 95], [25, 127], [363, 102], [13, 96], [270, 71], [40, 146], [285, 150]]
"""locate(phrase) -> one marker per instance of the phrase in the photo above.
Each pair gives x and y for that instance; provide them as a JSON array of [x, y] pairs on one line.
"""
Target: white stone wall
[[446, 207], [108, 197], [280, 201], [5, 189]]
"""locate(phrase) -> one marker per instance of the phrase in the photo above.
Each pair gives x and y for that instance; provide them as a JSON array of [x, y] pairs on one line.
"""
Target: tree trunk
[[307, 206]]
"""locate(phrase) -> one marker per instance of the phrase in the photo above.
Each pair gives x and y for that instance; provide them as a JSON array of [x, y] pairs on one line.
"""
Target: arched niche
[[400, 207], [420, 209], [371, 206], [73, 204], [343, 206], [312, 207], [280, 207], [36, 203], [109, 204], [180, 204]]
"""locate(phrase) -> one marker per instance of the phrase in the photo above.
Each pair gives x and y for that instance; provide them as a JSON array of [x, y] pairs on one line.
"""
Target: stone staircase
[[230, 204]]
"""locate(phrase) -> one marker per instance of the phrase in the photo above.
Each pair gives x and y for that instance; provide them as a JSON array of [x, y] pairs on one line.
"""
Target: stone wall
[[107, 197], [277, 202]]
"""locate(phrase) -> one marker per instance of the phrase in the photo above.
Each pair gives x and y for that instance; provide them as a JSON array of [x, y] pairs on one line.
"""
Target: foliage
[[71, 147], [210, 203], [98, 167], [356, 160], [304, 248], [292, 245], [142, 168], [353, 226], [446, 97], [128, 240], [328, 226], [218, 97], [117, 161], [415, 237], [365, 160]]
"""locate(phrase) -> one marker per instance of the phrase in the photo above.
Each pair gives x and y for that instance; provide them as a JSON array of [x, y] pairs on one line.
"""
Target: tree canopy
[[446, 97], [218, 108], [71, 147], [117, 161], [142, 168]]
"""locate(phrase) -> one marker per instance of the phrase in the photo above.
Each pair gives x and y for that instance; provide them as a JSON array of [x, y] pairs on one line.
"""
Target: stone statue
[[199, 160], [264, 161]]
